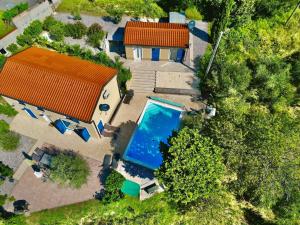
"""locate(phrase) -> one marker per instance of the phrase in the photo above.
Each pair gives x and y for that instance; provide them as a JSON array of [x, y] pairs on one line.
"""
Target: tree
[[192, 168], [95, 35], [113, 185], [69, 169], [223, 20], [57, 32]]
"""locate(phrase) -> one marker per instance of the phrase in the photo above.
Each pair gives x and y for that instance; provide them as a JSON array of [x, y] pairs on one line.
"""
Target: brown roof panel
[[156, 34], [56, 82]]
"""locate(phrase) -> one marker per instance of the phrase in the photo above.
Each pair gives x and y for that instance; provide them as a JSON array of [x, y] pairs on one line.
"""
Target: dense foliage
[[112, 185], [13, 48], [192, 168], [69, 169], [5, 171], [75, 30], [95, 35], [9, 14]]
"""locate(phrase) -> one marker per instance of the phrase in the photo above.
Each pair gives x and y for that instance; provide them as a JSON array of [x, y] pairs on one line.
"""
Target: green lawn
[[4, 28], [99, 7]]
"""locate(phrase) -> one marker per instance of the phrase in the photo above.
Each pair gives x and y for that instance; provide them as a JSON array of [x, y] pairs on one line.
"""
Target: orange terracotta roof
[[156, 34], [56, 82]]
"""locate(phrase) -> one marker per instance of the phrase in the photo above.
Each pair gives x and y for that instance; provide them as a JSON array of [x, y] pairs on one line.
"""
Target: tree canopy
[[192, 168]]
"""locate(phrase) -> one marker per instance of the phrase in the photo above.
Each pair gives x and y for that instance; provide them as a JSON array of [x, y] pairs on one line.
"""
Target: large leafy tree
[[192, 168]]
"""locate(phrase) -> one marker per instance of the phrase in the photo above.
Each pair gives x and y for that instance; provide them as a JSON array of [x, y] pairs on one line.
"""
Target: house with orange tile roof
[[73, 95], [156, 41]]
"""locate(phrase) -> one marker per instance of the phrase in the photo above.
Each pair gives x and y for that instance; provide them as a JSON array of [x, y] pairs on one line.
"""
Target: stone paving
[[45, 195]]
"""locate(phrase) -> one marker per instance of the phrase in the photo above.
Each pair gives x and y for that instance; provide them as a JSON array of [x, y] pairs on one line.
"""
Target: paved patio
[[45, 195]]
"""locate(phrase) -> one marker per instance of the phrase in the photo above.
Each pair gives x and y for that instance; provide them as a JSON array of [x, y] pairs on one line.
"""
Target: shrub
[[5, 170], [76, 15], [2, 199], [9, 14], [76, 30], [69, 169], [25, 39], [49, 22], [115, 14], [95, 35], [57, 32], [34, 29], [5, 108], [193, 13], [2, 61], [113, 185], [13, 48]]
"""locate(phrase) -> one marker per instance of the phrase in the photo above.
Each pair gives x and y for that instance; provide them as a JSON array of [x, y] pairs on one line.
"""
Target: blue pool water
[[155, 126]]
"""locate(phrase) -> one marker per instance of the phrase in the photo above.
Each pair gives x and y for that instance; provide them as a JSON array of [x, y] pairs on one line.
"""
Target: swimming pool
[[156, 124]]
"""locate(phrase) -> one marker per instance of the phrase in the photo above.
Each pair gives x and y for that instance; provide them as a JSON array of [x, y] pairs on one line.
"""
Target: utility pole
[[292, 13], [214, 52]]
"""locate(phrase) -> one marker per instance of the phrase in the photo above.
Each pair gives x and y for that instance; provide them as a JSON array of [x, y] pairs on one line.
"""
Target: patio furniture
[[46, 160], [38, 174], [36, 157], [20, 206]]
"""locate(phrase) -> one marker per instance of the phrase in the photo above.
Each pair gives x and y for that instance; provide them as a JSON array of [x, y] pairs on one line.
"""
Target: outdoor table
[[46, 159]]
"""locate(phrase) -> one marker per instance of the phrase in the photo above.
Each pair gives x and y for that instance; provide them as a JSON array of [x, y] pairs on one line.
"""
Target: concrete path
[[200, 42]]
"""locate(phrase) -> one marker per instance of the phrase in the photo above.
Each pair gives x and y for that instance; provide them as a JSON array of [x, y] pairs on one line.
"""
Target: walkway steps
[[143, 81]]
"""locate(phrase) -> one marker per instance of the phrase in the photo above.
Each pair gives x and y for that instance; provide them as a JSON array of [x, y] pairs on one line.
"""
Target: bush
[[6, 109], [113, 185], [25, 39], [76, 15], [69, 169], [95, 35], [192, 13], [76, 30], [2, 61], [34, 29], [57, 32], [9, 14], [5, 170], [13, 48], [2, 199], [49, 22], [115, 14]]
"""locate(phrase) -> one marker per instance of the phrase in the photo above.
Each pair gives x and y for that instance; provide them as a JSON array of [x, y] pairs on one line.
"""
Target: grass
[[100, 7], [220, 211], [9, 141], [6, 109], [4, 28]]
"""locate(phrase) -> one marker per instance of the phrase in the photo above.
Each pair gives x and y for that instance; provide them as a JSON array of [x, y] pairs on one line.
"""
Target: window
[[21, 102], [40, 108], [72, 119]]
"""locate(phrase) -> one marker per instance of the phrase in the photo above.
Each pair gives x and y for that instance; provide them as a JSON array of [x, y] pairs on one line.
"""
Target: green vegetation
[[131, 211], [192, 13], [57, 32], [5, 171], [13, 48], [75, 30], [113, 184], [2, 61], [192, 168], [30, 34], [95, 35], [5, 28], [114, 8], [70, 169], [9, 14], [9, 141]]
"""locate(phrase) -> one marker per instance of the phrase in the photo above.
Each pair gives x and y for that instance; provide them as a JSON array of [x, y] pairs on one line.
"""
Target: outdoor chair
[[152, 188], [36, 157]]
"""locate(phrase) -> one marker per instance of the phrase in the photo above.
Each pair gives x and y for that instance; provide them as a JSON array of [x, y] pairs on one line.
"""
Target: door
[[61, 126], [30, 113], [155, 54], [83, 133], [100, 127], [137, 53], [173, 54], [180, 55]]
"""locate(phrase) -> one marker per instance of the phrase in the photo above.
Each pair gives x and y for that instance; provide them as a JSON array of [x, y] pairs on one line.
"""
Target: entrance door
[[173, 54], [155, 54], [180, 55], [137, 53], [101, 127]]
